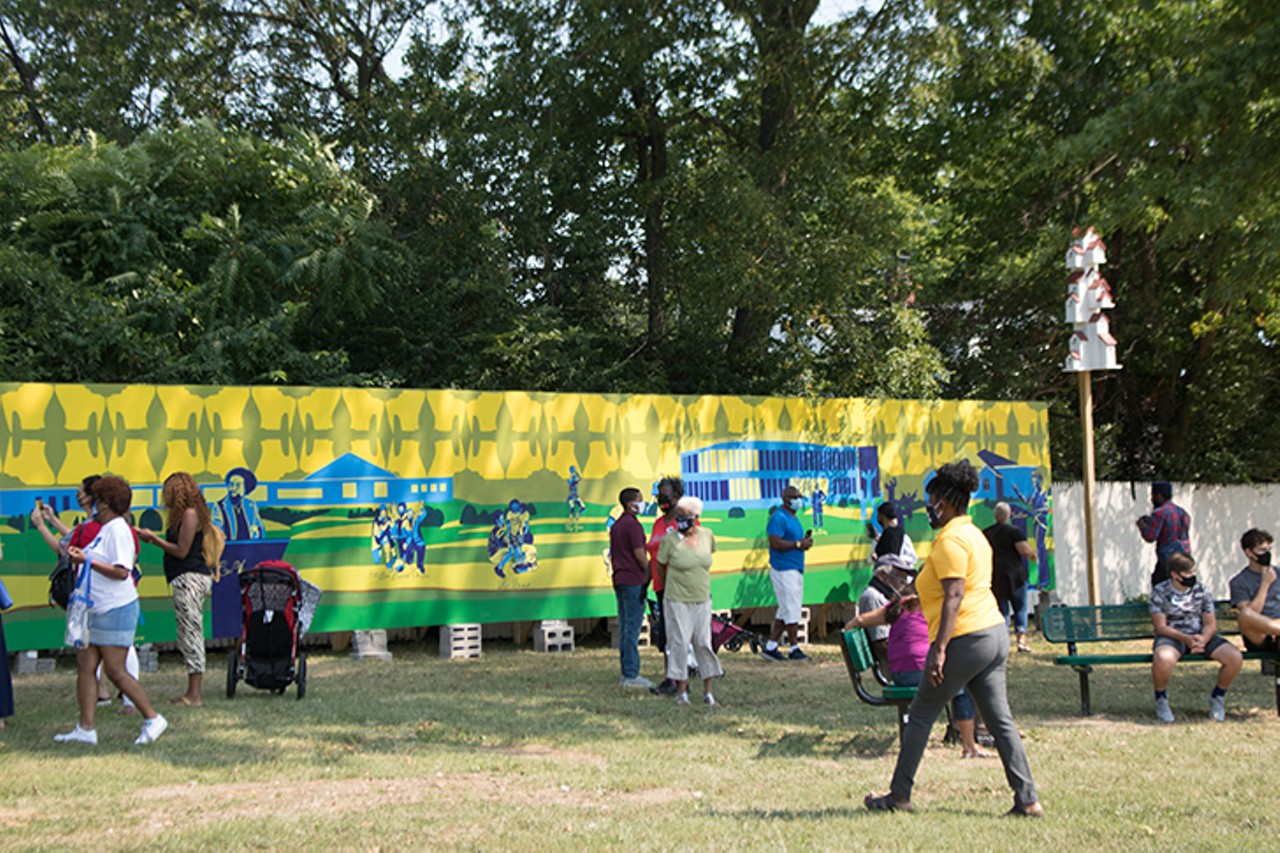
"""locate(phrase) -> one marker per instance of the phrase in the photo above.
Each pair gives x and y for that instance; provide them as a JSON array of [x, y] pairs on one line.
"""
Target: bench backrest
[[1115, 622], [858, 654]]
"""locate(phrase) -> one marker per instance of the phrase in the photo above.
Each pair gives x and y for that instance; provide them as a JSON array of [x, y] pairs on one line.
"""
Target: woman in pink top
[[908, 646]]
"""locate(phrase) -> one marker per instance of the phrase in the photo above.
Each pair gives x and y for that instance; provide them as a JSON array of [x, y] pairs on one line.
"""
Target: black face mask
[[1264, 558], [1189, 581], [665, 504], [683, 523], [935, 520]]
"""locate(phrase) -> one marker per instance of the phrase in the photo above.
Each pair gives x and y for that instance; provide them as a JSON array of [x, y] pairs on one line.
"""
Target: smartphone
[[808, 534], [871, 530], [40, 503]]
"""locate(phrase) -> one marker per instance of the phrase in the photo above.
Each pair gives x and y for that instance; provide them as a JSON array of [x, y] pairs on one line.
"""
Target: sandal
[[1021, 811], [884, 804]]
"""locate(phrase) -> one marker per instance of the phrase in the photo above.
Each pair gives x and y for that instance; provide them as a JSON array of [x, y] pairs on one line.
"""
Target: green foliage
[[655, 196]]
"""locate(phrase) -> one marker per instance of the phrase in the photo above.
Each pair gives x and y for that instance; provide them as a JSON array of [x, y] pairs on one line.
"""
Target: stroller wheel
[[301, 678], [233, 672], [734, 644]]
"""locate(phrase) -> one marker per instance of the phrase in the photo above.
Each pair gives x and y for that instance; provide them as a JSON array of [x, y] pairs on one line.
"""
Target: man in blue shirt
[[787, 543]]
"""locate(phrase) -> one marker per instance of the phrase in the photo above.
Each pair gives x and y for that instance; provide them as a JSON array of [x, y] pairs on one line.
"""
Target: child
[[907, 647], [1183, 616]]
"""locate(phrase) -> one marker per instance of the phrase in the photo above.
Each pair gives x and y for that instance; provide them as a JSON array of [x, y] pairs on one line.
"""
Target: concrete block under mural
[[412, 507]]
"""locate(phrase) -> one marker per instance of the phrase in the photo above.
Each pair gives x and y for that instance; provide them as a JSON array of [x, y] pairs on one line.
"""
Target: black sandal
[[884, 804]]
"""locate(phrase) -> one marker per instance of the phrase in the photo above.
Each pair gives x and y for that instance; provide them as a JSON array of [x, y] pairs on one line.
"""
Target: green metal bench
[[1120, 622], [861, 661]]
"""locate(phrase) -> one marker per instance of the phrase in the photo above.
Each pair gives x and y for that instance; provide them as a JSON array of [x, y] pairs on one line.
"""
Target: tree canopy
[[750, 196]]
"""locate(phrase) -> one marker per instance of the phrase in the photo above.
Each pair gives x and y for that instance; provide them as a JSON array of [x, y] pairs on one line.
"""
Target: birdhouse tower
[[1091, 346]]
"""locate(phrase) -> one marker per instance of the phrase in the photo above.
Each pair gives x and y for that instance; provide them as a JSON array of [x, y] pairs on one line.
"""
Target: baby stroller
[[267, 656], [730, 636]]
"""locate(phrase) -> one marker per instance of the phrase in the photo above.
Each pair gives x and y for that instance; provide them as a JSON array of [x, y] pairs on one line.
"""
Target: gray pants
[[975, 661]]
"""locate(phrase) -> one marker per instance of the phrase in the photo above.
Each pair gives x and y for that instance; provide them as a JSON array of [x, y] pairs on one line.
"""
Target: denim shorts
[[114, 627]]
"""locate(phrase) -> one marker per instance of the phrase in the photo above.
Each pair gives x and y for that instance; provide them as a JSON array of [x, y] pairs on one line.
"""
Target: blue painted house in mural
[[352, 481], [1001, 480], [752, 474]]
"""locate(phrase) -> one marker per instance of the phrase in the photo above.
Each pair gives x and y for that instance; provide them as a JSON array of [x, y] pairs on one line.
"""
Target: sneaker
[[639, 683], [1163, 712], [710, 701], [682, 699], [796, 654], [78, 735], [666, 688], [1218, 708], [152, 729], [772, 654]]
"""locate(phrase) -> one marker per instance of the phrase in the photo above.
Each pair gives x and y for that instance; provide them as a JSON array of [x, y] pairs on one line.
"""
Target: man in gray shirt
[[1256, 595]]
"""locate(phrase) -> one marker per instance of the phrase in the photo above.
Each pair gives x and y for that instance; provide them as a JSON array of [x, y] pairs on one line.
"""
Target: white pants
[[690, 623], [130, 666]]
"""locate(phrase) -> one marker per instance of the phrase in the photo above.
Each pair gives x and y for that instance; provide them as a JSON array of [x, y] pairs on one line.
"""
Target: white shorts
[[788, 588]]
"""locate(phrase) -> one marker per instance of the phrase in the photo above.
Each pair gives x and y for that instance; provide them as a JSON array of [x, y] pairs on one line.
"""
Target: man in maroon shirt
[[1168, 526], [630, 584]]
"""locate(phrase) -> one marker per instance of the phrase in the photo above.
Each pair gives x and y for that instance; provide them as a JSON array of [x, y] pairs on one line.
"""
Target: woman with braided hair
[[968, 644]]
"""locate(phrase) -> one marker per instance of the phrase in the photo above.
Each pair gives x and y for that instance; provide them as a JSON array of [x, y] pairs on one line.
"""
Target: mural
[[416, 507]]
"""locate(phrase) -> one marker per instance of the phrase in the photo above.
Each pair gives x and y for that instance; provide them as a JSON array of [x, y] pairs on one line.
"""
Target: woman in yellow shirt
[[968, 644]]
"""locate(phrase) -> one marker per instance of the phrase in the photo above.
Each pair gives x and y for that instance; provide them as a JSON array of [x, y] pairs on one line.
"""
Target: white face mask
[[635, 507]]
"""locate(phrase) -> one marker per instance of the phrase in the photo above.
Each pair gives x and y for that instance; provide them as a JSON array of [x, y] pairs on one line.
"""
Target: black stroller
[[267, 655]]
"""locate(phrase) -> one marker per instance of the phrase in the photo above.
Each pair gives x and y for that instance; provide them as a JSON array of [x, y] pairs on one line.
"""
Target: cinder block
[[642, 642], [553, 636], [148, 658], [460, 641], [370, 645], [802, 631], [28, 662]]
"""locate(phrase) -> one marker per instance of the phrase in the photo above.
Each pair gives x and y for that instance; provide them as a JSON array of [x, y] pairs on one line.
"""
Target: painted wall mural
[[411, 507]]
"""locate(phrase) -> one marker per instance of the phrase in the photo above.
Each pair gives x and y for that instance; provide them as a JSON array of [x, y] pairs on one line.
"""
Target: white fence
[[1219, 515]]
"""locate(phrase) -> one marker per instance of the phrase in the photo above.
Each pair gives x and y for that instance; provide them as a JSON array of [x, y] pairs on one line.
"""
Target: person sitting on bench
[[1182, 613], [1256, 595], [908, 647]]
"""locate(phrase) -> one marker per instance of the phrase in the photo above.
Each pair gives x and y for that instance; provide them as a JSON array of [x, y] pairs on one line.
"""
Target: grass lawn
[[526, 751]]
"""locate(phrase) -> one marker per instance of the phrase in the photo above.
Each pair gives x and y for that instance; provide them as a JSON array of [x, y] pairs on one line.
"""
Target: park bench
[[861, 661], [1120, 622]]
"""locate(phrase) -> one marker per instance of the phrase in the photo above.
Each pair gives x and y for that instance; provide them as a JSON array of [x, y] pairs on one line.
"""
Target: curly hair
[[114, 493], [954, 482], [676, 485], [181, 493]]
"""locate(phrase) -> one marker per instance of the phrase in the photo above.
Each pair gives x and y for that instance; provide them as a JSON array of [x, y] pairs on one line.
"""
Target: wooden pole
[[1086, 423]]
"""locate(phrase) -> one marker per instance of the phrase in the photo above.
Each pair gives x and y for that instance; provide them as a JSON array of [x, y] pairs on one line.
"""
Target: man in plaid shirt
[[1168, 525]]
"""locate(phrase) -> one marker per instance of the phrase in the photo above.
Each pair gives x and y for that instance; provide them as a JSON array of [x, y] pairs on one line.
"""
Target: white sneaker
[[78, 735], [152, 729], [682, 699], [639, 683], [710, 701], [1218, 708], [1163, 712]]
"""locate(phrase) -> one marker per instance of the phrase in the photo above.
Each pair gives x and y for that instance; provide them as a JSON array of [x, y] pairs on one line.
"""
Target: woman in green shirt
[[684, 564]]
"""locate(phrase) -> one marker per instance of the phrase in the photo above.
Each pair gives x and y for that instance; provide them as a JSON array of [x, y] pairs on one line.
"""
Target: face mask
[[683, 523], [795, 504], [634, 507], [665, 504], [1264, 558], [935, 520], [1189, 581]]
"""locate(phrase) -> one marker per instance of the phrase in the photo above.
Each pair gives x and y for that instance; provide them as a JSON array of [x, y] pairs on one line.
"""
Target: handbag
[[62, 580], [79, 606]]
